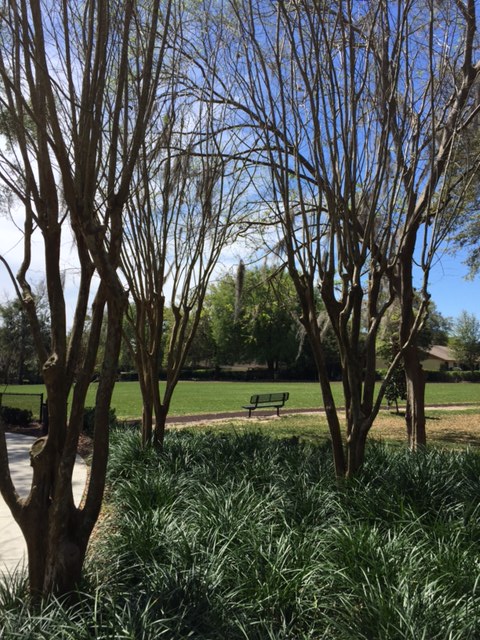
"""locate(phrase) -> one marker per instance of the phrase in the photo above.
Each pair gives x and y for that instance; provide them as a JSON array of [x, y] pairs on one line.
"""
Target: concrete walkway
[[13, 549]]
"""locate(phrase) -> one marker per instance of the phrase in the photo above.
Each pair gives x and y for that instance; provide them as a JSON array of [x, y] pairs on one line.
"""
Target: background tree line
[[249, 317]]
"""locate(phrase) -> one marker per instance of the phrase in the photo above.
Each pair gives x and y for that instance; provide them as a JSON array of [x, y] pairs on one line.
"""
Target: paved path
[[12, 544]]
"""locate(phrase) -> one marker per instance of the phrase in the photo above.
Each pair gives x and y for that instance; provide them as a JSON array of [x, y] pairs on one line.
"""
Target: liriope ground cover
[[243, 536]]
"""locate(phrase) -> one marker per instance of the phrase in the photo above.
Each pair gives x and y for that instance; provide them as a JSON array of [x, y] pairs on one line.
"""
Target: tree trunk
[[56, 551], [147, 411], [356, 443], [329, 405], [49, 520], [161, 413], [271, 368], [415, 412], [147, 423], [414, 374]]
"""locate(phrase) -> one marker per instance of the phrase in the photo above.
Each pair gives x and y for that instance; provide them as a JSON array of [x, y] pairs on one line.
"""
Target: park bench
[[265, 400]]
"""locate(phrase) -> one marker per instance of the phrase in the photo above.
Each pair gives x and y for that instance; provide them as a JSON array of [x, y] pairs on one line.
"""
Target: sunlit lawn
[[219, 397]]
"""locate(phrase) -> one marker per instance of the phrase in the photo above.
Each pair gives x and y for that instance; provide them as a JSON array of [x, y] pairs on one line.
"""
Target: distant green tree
[[226, 329], [436, 329], [269, 325], [466, 341], [253, 318], [202, 351], [17, 351], [18, 357]]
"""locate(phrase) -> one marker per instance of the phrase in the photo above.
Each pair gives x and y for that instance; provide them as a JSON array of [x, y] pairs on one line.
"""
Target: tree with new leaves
[[354, 109], [78, 87]]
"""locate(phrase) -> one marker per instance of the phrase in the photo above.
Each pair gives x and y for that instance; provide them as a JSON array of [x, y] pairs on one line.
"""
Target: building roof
[[441, 352]]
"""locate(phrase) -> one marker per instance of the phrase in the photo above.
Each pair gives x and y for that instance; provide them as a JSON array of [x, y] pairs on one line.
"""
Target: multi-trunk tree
[[78, 85], [186, 208], [354, 108]]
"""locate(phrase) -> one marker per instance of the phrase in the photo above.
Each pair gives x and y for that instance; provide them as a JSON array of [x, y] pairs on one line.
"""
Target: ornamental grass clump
[[249, 537]]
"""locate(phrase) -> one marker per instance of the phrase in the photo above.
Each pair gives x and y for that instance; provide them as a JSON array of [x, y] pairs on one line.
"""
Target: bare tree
[[354, 108], [187, 208], [78, 86]]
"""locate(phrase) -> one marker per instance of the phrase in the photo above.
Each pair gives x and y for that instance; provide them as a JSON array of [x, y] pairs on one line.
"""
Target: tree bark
[[414, 374], [356, 443], [415, 412]]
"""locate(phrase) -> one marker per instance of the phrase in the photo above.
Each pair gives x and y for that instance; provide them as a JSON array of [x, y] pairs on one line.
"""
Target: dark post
[[44, 417]]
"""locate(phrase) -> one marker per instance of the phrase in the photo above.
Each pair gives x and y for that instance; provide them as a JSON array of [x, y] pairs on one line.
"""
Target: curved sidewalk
[[12, 544]]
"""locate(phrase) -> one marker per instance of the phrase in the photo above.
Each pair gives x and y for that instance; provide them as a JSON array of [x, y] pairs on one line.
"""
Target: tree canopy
[[466, 340]]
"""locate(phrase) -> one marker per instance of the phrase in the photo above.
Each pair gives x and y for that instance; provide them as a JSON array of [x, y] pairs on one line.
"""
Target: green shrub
[[12, 415], [89, 420], [453, 376]]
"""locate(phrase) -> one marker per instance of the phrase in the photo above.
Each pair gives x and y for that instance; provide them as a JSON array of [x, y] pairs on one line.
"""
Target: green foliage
[[245, 537], [466, 340], [18, 359], [252, 318], [13, 415], [89, 420], [453, 376], [434, 331], [396, 388]]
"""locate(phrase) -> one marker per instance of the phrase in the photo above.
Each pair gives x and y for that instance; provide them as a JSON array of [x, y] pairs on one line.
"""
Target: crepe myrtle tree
[[78, 87], [354, 108], [187, 207]]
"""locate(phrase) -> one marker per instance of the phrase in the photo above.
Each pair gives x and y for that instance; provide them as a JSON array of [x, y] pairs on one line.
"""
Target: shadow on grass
[[457, 438], [401, 414]]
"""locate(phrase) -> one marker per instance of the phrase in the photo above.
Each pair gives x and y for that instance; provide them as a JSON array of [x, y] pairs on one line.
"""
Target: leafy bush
[[89, 420], [12, 415], [453, 376]]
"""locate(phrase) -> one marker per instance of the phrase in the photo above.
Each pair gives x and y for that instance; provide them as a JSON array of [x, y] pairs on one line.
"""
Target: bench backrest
[[269, 397]]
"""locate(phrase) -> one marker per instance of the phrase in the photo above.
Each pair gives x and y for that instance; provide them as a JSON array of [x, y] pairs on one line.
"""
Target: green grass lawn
[[218, 397]]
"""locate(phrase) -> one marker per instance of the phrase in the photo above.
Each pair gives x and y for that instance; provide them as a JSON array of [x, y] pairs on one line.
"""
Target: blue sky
[[451, 291]]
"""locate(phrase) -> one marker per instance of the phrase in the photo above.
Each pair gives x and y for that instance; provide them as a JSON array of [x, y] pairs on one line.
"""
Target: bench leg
[[278, 411]]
